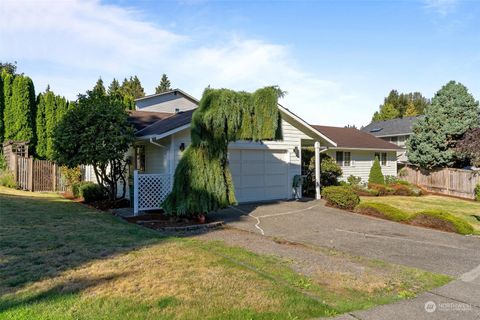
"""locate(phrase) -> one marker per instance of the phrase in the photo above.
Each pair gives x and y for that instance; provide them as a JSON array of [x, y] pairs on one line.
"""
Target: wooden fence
[[449, 181], [37, 175]]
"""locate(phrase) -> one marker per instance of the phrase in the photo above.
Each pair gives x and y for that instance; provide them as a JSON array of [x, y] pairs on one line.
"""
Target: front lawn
[[62, 260], [464, 209]]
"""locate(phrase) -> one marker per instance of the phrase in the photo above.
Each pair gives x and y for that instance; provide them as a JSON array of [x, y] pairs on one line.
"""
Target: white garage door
[[259, 174]]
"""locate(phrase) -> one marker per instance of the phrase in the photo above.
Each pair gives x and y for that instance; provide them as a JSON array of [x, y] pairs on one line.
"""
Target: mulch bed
[[159, 221]]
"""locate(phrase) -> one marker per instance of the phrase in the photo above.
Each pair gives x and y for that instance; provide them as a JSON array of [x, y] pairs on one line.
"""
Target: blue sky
[[336, 59]]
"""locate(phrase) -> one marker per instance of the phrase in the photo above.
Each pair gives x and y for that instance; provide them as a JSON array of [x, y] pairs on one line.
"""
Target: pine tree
[[411, 110], [99, 88], [376, 175], [114, 88], [164, 85], [202, 180], [400, 102], [41, 147], [20, 113], [453, 111]]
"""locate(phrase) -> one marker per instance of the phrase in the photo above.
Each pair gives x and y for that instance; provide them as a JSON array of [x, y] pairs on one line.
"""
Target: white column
[[317, 170], [135, 192]]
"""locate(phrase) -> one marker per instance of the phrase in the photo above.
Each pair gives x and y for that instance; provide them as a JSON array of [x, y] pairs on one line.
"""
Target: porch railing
[[149, 190]]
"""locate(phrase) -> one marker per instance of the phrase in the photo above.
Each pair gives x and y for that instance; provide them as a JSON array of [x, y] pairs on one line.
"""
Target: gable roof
[[163, 126], [351, 138], [142, 119], [174, 91], [392, 127]]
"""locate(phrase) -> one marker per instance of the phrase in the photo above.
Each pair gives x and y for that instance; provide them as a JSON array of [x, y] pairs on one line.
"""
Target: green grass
[[63, 260], [383, 210], [464, 209]]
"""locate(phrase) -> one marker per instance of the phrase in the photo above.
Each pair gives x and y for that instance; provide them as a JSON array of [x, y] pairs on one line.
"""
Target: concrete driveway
[[313, 223]]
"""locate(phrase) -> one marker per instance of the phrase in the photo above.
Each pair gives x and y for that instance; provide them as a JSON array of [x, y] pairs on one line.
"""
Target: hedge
[[381, 210], [92, 192], [477, 192], [341, 197], [442, 220]]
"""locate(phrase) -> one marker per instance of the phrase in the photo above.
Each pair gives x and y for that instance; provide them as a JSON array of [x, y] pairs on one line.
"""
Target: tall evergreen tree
[[99, 88], [114, 88], [6, 93], [9, 67], [452, 113], [164, 85], [41, 147], [131, 89], [20, 112], [1, 110], [50, 122]]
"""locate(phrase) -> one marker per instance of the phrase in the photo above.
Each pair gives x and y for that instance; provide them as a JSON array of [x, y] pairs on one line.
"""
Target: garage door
[[259, 174]]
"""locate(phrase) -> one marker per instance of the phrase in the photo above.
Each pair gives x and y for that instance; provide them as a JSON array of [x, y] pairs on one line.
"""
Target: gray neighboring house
[[395, 131]]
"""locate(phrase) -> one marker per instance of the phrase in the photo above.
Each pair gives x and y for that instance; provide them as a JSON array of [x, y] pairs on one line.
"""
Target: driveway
[[313, 223]]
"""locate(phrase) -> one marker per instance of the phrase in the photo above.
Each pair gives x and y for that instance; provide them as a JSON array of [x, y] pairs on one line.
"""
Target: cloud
[[442, 7], [70, 43]]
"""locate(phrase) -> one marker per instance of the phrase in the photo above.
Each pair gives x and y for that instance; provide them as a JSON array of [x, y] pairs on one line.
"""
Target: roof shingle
[[354, 138], [391, 127]]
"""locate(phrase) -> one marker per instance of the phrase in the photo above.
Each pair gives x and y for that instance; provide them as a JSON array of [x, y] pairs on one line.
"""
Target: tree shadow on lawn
[[41, 237]]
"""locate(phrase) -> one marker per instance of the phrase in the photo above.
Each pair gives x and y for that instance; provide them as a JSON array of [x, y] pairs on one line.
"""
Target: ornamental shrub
[[341, 197], [353, 180], [477, 192], [92, 192], [7, 179], [381, 210], [390, 180], [442, 220], [383, 190], [77, 186], [376, 175]]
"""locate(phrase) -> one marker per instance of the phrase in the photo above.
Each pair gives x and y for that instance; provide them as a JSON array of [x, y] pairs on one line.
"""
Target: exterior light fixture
[[182, 147]]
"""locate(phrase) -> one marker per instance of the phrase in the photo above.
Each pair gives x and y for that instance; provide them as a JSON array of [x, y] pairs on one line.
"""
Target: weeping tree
[[202, 181]]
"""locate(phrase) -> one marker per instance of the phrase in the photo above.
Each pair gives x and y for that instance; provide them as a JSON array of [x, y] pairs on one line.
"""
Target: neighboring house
[[396, 131], [356, 150], [261, 170]]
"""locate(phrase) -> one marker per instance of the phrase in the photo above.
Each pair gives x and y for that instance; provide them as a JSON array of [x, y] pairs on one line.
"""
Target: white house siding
[[165, 103], [291, 138], [362, 161], [156, 158]]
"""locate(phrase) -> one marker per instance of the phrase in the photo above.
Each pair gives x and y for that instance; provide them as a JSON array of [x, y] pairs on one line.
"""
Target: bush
[[442, 220], [76, 188], [3, 161], [354, 181], [92, 192], [383, 190], [404, 182], [341, 197], [402, 190], [70, 176], [362, 191], [390, 180], [477, 192], [381, 210], [376, 175], [330, 171], [7, 179]]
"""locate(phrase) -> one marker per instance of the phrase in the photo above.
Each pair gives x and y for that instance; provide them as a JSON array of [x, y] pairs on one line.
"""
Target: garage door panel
[[275, 168], [248, 155], [275, 180], [259, 174]]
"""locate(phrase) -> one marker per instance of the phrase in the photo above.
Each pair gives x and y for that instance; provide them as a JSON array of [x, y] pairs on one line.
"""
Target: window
[[344, 159], [348, 159], [140, 158], [339, 157], [382, 157]]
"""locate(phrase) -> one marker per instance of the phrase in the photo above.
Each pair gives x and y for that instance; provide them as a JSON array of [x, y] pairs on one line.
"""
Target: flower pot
[[201, 218]]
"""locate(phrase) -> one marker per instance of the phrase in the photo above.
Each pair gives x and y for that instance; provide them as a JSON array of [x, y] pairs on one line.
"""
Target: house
[[356, 150], [261, 171], [395, 131]]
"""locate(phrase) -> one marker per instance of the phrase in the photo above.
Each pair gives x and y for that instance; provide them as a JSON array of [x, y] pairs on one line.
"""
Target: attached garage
[[259, 175]]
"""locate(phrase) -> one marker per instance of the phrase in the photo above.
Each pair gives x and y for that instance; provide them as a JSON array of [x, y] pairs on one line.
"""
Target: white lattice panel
[[152, 190]]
